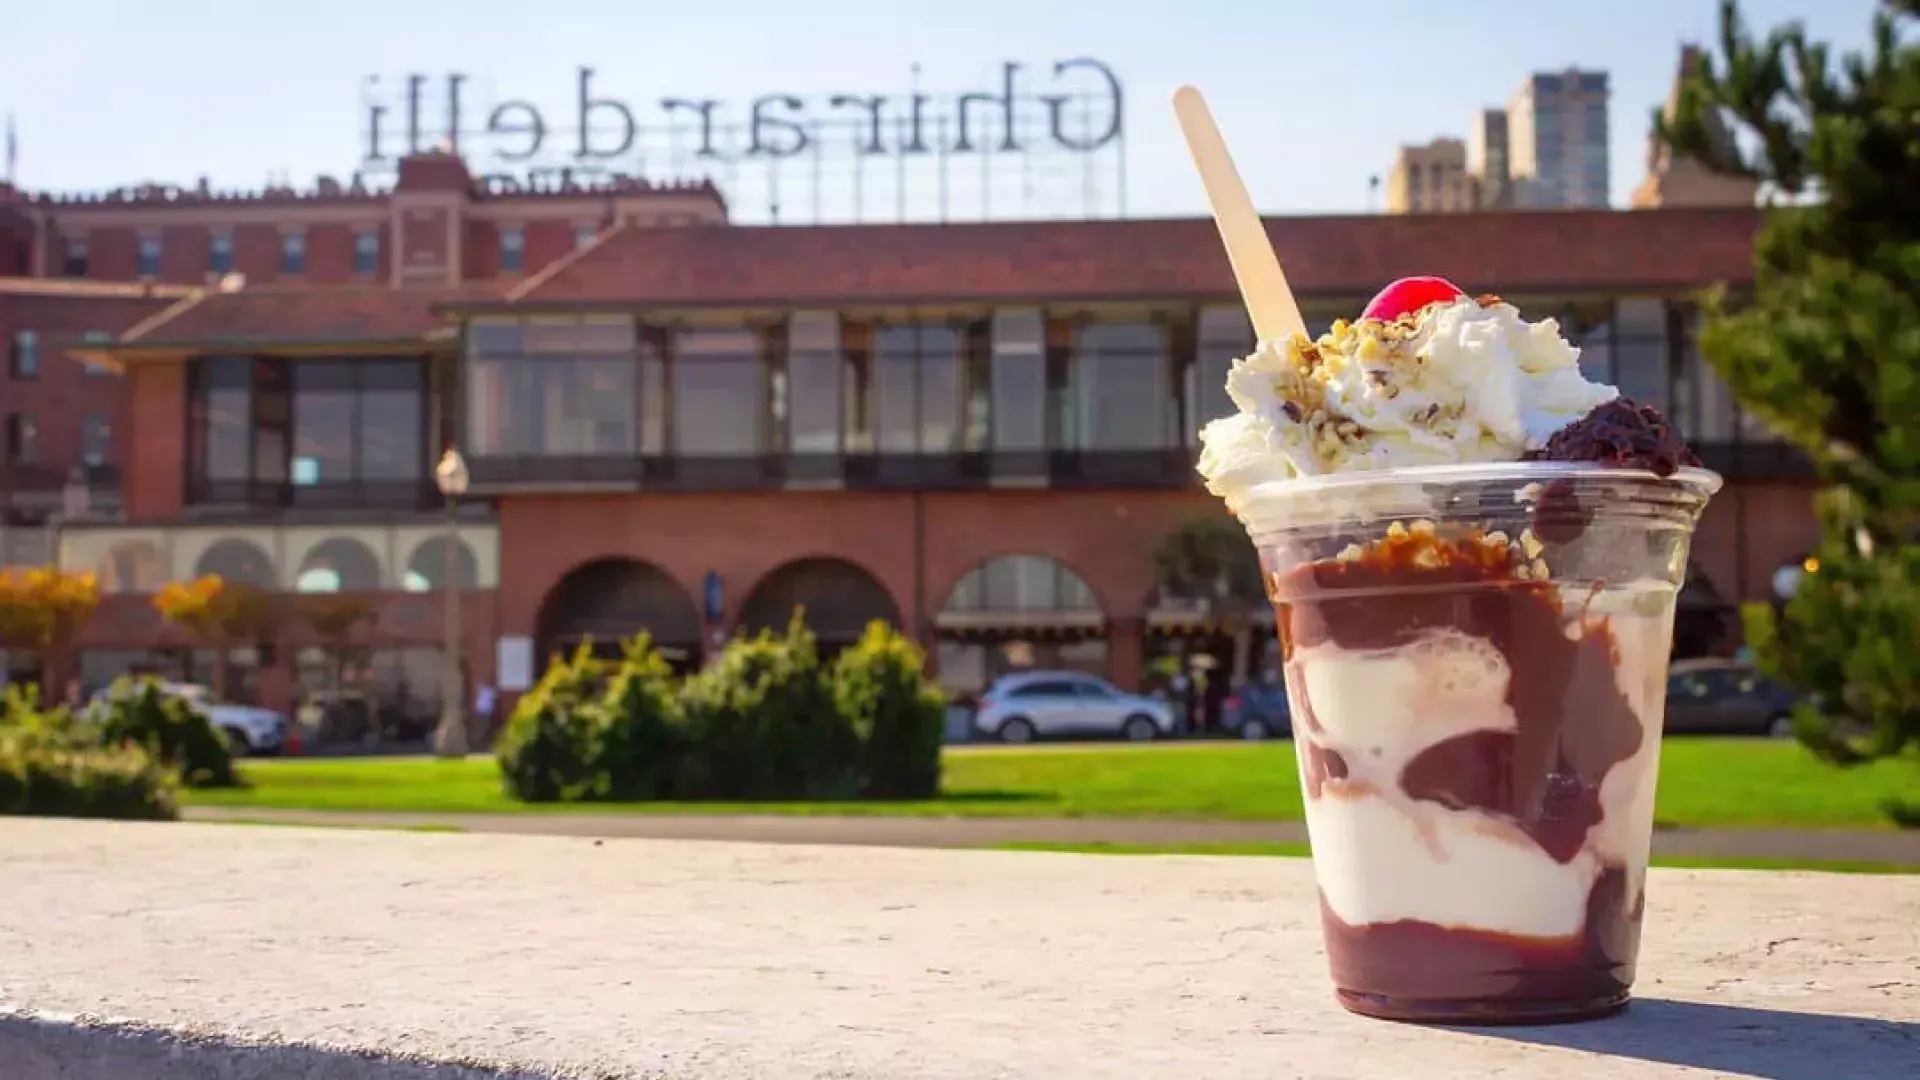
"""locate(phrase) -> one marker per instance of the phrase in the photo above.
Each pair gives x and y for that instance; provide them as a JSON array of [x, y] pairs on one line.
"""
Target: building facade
[[1431, 179], [977, 432], [1557, 140]]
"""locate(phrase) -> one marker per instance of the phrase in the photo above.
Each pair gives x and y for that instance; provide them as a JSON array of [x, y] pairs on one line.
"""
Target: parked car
[[248, 729], [1725, 697], [1258, 710], [1035, 704]]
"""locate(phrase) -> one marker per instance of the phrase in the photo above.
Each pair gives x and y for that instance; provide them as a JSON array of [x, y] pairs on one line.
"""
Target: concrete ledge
[[228, 952]]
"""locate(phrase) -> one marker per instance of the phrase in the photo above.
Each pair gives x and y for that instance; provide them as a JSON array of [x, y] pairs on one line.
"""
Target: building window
[[23, 359], [220, 253], [22, 439], [513, 250], [293, 253], [1019, 379], [76, 263], [719, 392], [814, 377], [584, 234], [366, 252], [552, 387], [149, 259], [96, 433], [916, 394], [357, 423], [1117, 389], [259, 429], [1225, 336]]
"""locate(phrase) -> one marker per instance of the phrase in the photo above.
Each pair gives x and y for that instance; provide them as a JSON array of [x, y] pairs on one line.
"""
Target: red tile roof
[[1540, 251], [362, 313]]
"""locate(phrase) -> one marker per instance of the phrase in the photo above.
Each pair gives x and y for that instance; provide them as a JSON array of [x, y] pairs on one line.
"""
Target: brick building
[[976, 431]]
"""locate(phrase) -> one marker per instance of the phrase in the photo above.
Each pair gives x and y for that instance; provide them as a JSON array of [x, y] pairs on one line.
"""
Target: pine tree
[[1826, 349]]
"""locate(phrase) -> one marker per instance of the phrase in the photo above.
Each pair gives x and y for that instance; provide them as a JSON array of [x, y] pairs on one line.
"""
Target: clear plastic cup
[[1476, 659]]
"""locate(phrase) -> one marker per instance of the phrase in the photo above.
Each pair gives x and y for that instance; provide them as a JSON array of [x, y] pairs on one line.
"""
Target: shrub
[[638, 726], [880, 687], [761, 724], [43, 771], [546, 750], [169, 728]]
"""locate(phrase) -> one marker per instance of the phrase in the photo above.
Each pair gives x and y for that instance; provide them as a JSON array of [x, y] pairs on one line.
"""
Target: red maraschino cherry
[[1409, 295]]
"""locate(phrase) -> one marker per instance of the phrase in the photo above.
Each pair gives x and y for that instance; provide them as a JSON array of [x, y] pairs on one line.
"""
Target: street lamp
[[450, 737]]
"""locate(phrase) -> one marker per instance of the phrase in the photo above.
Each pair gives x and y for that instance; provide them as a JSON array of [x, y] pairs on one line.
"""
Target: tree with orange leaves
[[43, 607], [219, 614]]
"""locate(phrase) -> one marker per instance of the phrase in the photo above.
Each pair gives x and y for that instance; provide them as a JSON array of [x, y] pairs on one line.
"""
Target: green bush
[[170, 729], [880, 686], [638, 726], [44, 771], [547, 751], [761, 724]]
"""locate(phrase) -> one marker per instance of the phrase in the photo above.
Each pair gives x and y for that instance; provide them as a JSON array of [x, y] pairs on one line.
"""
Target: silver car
[[1020, 708]]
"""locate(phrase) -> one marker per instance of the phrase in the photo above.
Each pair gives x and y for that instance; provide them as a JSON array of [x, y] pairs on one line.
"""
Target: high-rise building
[[1557, 140], [1431, 178], [1674, 180], [1489, 161]]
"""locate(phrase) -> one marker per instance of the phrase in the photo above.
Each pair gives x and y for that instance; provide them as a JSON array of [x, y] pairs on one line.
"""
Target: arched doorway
[[237, 562], [338, 564], [1018, 612], [427, 568], [610, 600], [838, 597]]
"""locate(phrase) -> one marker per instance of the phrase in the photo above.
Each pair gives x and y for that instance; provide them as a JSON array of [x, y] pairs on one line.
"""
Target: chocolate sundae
[[1472, 552]]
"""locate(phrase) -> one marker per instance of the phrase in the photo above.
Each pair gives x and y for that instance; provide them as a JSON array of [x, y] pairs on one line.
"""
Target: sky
[[1313, 97]]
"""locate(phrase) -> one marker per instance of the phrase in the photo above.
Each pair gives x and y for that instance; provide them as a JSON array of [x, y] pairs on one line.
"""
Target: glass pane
[[1225, 336], [895, 369], [1019, 381], [1119, 386], [323, 420], [939, 389], [229, 423], [719, 391], [814, 383], [392, 439], [586, 405]]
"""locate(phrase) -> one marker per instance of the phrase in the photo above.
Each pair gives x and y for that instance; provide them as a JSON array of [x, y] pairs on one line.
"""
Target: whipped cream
[[1453, 383]]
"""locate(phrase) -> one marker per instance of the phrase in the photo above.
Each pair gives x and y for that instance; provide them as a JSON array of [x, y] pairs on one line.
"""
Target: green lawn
[[1704, 782]]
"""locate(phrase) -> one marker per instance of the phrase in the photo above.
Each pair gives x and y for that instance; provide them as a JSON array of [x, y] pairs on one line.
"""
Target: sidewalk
[[928, 832], [182, 952]]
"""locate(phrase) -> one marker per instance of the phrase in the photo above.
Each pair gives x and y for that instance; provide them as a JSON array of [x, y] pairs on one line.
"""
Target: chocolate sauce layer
[[1572, 722]]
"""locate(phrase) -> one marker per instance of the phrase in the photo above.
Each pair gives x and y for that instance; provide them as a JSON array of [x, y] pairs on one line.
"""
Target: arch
[[237, 562], [610, 600], [1022, 582], [132, 566], [839, 597], [338, 564], [427, 566]]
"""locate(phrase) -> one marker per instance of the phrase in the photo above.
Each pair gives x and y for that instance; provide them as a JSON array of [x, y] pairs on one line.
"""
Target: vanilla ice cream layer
[[1455, 383], [1382, 857]]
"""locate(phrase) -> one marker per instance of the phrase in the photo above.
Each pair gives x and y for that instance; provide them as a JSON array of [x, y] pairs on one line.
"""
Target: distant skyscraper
[[1430, 179], [1489, 160], [1557, 140]]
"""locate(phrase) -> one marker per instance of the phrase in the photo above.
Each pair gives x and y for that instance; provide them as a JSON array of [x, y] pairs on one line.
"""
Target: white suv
[[248, 729], [1019, 708]]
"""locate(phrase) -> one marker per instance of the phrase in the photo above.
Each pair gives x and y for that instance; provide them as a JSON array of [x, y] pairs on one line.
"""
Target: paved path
[[302, 954], [955, 832]]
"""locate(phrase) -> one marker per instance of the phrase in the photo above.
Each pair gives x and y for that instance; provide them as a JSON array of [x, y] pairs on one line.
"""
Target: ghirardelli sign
[[1074, 107]]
